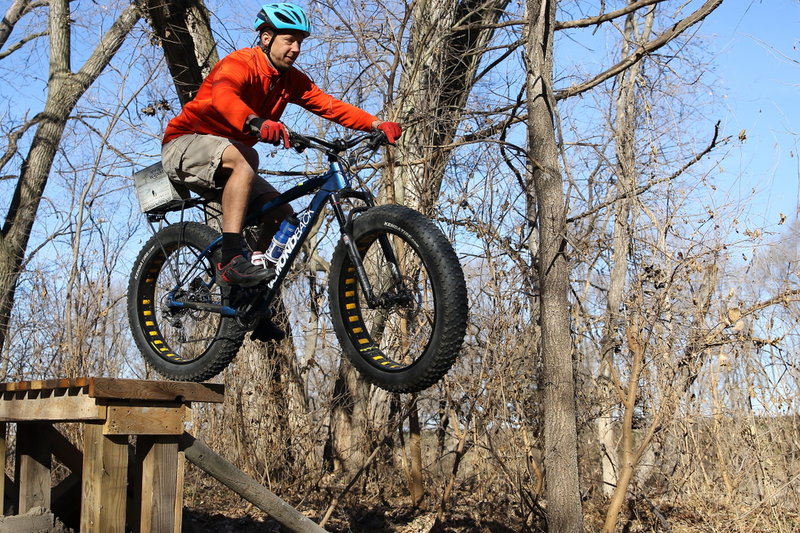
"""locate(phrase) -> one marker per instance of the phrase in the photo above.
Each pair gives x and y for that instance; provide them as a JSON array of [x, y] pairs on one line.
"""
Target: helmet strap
[[266, 48]]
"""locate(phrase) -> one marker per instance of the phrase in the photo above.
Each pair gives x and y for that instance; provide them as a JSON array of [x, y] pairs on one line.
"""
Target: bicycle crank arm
[[223, 310]]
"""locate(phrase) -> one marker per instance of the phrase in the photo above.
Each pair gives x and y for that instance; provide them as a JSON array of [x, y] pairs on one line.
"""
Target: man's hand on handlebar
[[392, 130], [269, 131]]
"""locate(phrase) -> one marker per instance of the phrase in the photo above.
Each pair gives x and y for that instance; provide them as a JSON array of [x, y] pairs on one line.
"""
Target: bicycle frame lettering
[[305, 219]]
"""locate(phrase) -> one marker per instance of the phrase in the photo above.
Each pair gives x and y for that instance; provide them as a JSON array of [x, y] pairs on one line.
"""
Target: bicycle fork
[[346, 223]]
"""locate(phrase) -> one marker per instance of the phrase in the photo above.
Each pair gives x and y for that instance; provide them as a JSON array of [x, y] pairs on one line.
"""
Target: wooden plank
[[54, 409], [3, 452], [215, 465], [44, 384], [144, 420], [33, 466], [119, 389], [179, 492], [66, 452], [104, 481], [159, 483], [134, 389]]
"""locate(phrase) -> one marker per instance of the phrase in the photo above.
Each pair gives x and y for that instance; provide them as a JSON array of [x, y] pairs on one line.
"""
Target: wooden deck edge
[[117, 389]]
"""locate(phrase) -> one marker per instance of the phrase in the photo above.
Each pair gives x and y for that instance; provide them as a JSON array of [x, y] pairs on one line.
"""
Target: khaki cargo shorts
[[193, 160]]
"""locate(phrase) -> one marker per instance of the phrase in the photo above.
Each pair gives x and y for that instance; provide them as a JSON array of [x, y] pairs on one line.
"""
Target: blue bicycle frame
[[332, 186]]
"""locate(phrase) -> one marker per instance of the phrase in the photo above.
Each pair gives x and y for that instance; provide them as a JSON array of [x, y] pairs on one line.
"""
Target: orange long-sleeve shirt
[[245, 83]]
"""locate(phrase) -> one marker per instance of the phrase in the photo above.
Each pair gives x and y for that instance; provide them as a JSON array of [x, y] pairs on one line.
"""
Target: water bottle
[[287, 229], [259, 259]]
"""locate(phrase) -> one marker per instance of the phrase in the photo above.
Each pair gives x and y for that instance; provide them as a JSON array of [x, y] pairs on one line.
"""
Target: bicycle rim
[[174, 274], [396, 333]]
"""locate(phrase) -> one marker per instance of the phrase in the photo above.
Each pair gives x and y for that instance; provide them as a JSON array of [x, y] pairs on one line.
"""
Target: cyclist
[[210, 143]]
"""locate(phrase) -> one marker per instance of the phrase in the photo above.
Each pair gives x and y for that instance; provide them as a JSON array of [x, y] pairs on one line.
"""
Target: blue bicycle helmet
[[282, 17]]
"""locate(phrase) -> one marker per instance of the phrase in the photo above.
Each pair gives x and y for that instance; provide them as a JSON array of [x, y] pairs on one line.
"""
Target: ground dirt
[[221, 511]]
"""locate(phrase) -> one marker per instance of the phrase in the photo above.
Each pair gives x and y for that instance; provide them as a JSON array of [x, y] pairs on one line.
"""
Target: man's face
[[285, 48]]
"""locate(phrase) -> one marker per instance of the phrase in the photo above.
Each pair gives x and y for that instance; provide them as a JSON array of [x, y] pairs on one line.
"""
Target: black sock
[[231, 246]]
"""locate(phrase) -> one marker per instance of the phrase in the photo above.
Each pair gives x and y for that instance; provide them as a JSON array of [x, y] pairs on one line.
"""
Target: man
[[210, 143]]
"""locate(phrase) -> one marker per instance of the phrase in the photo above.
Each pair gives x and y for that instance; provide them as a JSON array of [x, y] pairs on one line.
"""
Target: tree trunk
[[560, 435], [64, 90], [446, 45], [184, 32], [415, 485], [626, 173], [346, 448]]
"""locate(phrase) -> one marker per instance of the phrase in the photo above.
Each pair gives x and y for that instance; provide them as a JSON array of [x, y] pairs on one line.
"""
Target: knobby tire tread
[[442, 263]]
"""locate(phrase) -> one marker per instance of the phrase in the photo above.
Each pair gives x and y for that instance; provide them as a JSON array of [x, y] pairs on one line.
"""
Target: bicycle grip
[[378, 139]]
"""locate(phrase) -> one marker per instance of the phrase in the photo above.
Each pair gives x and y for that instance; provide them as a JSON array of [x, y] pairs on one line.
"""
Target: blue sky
[[757, 62], [754, 49]]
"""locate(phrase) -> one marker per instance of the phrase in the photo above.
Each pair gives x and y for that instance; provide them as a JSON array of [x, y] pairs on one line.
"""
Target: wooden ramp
[[130, 470]]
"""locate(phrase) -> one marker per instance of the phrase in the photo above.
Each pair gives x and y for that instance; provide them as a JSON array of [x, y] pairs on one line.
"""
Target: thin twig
[[357, 475]]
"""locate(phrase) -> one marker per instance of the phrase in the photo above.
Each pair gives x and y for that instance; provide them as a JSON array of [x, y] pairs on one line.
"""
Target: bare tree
[[437, 72], [545, 183], [184, 31], [624, 216], [65, 88]]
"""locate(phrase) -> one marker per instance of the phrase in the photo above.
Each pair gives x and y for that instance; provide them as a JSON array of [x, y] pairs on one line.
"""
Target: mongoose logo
[[305, 219]]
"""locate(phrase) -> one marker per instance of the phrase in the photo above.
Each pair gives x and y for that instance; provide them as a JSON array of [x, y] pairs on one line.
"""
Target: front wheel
[[409, 335], [174, 304]]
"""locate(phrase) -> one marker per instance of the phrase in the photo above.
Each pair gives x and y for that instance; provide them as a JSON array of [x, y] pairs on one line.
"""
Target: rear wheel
[[180, 342], [409, 336]]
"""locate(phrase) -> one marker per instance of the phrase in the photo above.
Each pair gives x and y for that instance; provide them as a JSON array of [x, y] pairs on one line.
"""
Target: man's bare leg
[[242, 162]]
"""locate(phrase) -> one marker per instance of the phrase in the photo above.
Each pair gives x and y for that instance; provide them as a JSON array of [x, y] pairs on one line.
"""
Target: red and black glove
[[269, 131], [392, 130]]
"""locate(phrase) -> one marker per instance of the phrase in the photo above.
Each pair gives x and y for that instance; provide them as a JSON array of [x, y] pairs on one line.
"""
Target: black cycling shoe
[[239, 271], [266, 331]]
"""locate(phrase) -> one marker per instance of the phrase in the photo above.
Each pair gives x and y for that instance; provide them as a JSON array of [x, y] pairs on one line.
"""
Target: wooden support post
[[179, 493], [105, 469], [246, 487], [158, 456], [33, 466], [3, 451]]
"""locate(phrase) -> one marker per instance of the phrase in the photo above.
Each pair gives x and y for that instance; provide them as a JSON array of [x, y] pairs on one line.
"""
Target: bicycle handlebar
[[300, 142]]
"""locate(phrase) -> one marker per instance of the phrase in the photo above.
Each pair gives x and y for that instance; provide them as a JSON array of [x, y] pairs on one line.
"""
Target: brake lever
[[378, 139], [298, 142]]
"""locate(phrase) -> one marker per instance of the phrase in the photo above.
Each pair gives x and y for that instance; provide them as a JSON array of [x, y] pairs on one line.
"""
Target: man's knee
[[240, 158]]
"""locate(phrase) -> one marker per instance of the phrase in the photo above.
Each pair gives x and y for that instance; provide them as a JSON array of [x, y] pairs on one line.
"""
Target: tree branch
[[19, 44], [650, 184], [599, 19], [644, 50], [60, 45], [10, 19], [13, 140], [108, 45]]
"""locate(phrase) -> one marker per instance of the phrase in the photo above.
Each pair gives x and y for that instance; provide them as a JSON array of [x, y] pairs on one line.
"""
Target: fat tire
[[446, 281], [147, 324]]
